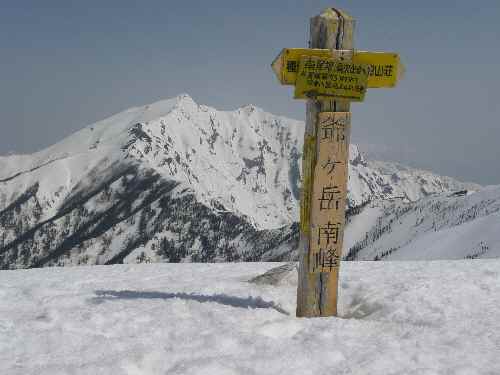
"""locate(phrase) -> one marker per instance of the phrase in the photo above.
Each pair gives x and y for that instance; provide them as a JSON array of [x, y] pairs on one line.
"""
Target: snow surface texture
[[416, 318], [174, 181]]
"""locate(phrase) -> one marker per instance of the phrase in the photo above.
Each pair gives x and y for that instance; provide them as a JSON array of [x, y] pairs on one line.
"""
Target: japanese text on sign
[[328, 195], [320, 77], [384, 68]]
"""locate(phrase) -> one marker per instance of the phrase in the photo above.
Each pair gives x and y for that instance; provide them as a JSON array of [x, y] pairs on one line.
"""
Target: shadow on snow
[[223, 299]]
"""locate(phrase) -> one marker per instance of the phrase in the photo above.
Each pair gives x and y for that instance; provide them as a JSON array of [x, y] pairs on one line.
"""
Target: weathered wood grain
[[317, 291]]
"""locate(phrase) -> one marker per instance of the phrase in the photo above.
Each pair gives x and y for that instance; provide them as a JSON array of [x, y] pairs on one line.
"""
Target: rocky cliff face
[[174, 181]]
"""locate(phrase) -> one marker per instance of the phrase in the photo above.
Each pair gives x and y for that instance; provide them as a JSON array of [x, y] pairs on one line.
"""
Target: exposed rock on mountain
[[174, 181]]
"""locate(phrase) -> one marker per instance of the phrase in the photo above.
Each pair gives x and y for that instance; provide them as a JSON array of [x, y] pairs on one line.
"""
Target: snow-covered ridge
[[107, 193], [444, 226], [246, 160]]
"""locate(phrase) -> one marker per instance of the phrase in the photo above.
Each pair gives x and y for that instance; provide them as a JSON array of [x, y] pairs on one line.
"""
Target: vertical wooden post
[[317, 291]]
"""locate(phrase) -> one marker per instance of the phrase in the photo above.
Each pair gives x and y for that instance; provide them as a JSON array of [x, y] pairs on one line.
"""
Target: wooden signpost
[[329, 75]]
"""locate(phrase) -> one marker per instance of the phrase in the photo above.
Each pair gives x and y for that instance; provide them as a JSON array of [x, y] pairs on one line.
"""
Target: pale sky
[[66, 64]]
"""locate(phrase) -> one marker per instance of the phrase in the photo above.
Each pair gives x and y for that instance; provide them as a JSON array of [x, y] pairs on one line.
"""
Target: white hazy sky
[[66, 64]]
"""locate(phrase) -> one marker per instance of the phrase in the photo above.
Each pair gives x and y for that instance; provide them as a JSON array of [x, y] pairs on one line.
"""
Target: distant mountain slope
[[173, 181], [445, 226]]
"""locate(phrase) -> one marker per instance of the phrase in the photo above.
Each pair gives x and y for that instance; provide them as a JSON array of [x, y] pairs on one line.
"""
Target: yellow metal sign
[[329, 78], [286, 65], [384, 68]]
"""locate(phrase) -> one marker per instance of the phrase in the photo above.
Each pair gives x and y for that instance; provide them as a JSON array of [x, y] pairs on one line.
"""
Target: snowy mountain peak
[[356, 156], [234, 172], [186, 102]]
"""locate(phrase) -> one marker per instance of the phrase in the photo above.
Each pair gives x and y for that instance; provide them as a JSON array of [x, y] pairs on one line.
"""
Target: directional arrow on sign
[[384, 68]]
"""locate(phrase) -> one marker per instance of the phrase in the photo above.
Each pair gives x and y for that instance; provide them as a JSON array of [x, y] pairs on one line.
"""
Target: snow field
[[438, 317], [440, 226]]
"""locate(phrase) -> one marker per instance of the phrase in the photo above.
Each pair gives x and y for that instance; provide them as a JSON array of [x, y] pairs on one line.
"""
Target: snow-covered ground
[[421, 318]]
